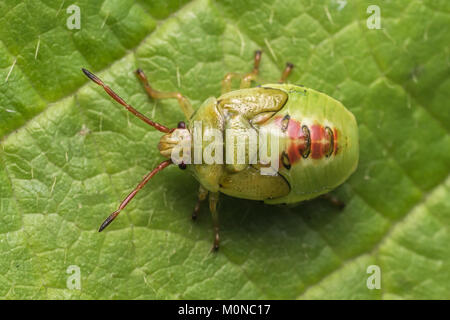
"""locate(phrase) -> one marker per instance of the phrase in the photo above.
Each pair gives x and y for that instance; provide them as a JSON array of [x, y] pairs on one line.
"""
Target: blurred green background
[[69, 154]]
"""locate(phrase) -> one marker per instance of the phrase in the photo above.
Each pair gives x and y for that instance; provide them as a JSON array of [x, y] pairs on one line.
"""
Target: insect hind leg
[[182, 101], [246, 79], [334, 201], [286, 72]]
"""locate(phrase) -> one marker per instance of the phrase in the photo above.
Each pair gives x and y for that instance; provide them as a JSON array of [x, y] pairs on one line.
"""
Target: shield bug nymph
[[317, 141]]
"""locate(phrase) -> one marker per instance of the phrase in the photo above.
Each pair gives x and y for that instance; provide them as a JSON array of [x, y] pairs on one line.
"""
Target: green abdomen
[[318, 143], [319, 148]]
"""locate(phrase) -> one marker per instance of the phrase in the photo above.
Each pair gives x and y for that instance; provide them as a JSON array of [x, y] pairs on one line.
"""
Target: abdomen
[[320, 143]]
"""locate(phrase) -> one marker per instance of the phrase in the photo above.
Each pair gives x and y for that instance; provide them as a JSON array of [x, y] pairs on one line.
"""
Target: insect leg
[[213, 200], [334, 201], [124, 203], [226, 82], [286, 72], [252, 76], [184, 103], [246, 79], [202, 194]]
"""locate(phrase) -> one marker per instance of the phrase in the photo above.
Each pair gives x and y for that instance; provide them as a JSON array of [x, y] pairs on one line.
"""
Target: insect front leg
[[202, 194], [246, 79], [213, 200], [183, 102]]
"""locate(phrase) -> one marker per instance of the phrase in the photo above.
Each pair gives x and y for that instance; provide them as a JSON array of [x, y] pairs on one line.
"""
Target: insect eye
[[181, 125], [182, 166]]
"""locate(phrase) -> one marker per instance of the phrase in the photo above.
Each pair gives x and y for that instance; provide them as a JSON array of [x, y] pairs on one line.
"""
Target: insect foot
[[334, 201]]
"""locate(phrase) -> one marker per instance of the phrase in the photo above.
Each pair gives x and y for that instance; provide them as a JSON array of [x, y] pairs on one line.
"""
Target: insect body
[[316, 149]]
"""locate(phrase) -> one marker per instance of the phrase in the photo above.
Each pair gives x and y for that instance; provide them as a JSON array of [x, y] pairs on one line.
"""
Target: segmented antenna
[[116, 97]]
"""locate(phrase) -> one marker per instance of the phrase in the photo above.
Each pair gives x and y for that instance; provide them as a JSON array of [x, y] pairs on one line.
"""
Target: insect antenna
[[124, 203], [116, 97]]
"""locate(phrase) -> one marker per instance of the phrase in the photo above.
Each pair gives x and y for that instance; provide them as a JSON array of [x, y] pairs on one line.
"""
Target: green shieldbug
[[317, 141]]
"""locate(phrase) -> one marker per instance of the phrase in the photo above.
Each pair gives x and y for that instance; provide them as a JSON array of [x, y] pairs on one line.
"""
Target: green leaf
[[69, 154]]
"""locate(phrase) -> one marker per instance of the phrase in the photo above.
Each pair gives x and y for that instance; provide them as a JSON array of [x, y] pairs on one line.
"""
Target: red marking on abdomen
[[335, 135], [320, 140], [317, 139], [297, 139]]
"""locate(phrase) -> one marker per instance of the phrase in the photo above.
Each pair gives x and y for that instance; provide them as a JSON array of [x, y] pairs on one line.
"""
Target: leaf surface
[[69, 154]]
